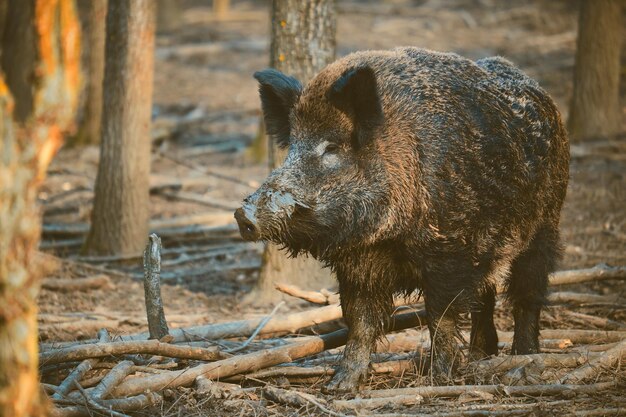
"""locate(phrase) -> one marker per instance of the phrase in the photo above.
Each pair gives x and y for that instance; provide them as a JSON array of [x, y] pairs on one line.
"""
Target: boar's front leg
[[442, 312], [366, 311]]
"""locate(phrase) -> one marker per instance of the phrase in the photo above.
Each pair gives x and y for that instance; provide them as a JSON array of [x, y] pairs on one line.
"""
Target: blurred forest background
[[160, 119]]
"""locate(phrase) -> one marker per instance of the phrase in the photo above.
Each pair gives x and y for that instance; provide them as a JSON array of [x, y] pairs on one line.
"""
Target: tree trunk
[[89, 131], [303, 42], [169, 15], [221, 8], [595, 110], [40, 49], [120, 216]]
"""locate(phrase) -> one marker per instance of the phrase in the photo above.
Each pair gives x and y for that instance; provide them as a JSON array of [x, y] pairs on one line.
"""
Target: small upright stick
[[152, 287]]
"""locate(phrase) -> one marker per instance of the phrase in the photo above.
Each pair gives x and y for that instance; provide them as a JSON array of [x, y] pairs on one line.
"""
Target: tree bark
[[40, 51], [89, 131], [119, 221], [169, 15], [221, 8], [595, 110], [303, 42]]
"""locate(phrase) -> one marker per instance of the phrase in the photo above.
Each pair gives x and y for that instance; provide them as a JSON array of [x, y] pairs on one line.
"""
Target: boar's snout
[[247, 222], [265, 214]]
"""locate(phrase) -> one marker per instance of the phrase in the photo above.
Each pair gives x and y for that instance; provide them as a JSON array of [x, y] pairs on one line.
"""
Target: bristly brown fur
[[439, 174]]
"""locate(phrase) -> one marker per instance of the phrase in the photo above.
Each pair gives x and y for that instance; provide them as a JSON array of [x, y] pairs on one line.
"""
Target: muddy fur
[[411, 169]]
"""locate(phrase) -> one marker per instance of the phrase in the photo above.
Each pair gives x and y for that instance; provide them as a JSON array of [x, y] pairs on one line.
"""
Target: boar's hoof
[[345, 381], [441, 371]]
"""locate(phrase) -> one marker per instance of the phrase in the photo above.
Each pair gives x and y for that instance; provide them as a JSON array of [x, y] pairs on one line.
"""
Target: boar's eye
[[331, 148]]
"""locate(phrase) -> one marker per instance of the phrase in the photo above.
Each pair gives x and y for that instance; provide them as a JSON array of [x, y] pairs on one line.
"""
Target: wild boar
[[416, 170]]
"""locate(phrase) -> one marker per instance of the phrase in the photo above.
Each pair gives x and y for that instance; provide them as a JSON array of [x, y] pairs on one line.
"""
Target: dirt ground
[[206, 113]]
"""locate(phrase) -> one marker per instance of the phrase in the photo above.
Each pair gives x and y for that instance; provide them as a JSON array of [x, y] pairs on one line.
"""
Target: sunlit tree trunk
[[595, 109], [221, 8], [40, 57], [120, 216], [303, 42]]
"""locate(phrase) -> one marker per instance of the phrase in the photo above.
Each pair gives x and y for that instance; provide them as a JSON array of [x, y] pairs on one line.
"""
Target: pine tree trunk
[[120, 216], [303, 42], [595, 109], [40, 49], [89, 131]]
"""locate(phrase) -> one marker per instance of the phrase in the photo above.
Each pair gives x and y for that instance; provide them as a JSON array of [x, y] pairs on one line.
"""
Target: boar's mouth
[[270, 217]]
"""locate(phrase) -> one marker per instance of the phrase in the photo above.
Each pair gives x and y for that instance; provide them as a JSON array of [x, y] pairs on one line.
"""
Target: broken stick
[[605, 360], [154, 347], [157, 324], [112, 379], [315, 297]]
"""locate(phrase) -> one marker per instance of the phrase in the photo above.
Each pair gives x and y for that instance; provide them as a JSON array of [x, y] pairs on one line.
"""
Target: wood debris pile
[[254, 360]]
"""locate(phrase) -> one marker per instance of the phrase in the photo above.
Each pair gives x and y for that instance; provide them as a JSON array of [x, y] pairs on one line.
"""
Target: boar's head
[[331, 189]]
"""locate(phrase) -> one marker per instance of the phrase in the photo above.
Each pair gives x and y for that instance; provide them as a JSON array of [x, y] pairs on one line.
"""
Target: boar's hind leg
[[367, 314], [528, 285], [484, 338]]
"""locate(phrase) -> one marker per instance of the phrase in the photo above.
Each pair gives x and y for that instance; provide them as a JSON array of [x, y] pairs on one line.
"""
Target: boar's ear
[[355, 94], [279, 93]]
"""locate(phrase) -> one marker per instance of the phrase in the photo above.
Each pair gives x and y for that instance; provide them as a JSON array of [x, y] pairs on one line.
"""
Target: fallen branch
[[124, 405], [606, 360], [77, 284], [550, 360], [597, 273], [153, 347], [595, 348], [456, 390], [578, 298], [315, 297], [601, 322], [112, 379], [382, 368], [157, 324], [576, 336]]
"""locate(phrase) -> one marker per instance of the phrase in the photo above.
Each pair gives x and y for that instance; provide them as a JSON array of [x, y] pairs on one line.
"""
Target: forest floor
[[206, 115]]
